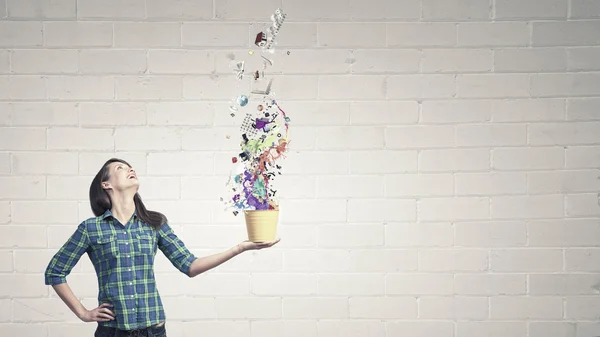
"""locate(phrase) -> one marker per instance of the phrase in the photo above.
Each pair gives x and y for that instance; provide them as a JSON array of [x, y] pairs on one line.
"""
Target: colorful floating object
[[261, 39], [242, 100], [264, 140]]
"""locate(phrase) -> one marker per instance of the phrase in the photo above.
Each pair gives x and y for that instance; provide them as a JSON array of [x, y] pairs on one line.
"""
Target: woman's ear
[[105, 185]]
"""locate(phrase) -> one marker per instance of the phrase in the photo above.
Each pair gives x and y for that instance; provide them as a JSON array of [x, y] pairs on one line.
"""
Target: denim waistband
[[150, 331]]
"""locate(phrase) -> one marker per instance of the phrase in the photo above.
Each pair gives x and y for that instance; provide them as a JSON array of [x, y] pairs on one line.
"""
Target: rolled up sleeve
[[174, 249], [67, 256]]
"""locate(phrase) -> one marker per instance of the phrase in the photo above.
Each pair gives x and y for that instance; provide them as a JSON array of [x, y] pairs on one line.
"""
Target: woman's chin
[[132, 185]]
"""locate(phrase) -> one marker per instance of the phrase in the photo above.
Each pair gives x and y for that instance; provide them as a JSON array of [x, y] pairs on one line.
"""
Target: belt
[[143, 332]]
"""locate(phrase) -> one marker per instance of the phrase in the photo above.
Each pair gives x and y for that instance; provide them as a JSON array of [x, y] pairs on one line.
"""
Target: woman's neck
[[122, 207]]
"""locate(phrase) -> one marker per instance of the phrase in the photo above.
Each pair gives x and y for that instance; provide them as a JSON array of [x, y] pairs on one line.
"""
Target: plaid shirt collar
[[108, 213]]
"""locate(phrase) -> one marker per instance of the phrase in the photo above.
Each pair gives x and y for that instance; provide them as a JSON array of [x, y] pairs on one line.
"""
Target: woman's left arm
[[200, 265]]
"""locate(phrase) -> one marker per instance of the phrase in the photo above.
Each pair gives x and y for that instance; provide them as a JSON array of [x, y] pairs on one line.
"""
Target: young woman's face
[[121, 177]]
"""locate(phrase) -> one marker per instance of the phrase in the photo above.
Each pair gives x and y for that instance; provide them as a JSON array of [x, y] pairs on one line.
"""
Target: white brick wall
[[443, 177]]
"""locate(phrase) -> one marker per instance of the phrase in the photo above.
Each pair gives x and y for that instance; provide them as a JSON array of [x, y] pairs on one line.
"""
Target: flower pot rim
[[260, 210]]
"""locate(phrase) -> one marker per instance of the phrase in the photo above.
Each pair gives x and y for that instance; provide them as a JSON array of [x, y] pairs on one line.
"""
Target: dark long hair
[[100, 200]]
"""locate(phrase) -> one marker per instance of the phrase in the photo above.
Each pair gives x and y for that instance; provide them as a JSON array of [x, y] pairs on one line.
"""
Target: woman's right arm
[[66, 294], [101, 313], [61, 265]]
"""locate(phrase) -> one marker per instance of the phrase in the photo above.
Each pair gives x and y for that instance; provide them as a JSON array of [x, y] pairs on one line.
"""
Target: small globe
[[242, 100]]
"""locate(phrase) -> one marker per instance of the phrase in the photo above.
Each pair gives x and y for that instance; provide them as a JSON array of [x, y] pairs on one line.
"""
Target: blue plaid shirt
[[123, 257]]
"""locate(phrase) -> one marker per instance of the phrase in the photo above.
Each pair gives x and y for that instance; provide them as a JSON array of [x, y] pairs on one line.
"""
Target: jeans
[[151, 331]]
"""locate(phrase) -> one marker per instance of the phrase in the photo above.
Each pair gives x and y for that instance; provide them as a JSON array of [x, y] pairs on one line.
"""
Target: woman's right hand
[[100, 314]]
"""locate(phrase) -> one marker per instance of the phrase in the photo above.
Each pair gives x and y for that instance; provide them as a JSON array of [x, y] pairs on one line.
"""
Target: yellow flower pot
[[261, 225]]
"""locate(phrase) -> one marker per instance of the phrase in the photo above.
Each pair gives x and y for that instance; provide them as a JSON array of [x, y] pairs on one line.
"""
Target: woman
[[121, 241]]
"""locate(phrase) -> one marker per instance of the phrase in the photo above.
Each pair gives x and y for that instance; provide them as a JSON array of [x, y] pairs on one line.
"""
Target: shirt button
[[132, 296], [126, 243], [130, 283], [129, 269], [125, 233], [128, 255]]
